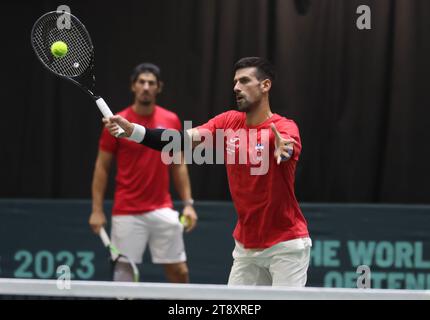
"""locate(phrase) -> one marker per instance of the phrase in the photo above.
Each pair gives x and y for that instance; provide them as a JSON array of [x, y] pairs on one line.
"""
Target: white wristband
[[138, 133], [189, 202]]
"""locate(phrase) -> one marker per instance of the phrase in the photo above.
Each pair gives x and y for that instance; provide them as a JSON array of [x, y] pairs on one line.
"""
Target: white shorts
[[284, 264], [160, 229]]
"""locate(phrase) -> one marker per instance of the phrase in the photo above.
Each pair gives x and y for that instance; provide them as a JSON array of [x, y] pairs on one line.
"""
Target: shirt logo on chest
[[259, 148]]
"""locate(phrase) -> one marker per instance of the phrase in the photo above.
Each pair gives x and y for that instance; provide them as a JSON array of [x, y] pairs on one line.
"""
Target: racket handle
[[104, 109], [105, 238]]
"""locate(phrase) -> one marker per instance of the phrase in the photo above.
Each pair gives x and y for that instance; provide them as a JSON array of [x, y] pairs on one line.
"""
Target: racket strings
[[120, 258], [80, 50]]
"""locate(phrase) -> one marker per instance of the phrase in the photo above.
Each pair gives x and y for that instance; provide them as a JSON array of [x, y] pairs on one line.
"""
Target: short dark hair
[[265, 70], [143, 68]]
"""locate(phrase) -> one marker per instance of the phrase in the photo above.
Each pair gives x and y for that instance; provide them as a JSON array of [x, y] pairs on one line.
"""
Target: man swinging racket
[[271, 235]]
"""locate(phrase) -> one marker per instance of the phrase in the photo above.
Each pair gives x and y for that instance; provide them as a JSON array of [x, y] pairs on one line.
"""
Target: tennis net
[[52, 289]]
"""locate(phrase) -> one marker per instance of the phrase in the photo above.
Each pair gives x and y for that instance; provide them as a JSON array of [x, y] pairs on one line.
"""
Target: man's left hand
[[191, 216], [284, 148]]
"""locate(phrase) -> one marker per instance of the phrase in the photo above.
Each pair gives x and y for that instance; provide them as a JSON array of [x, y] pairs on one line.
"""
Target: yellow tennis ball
[[184, 220], [59, 49]]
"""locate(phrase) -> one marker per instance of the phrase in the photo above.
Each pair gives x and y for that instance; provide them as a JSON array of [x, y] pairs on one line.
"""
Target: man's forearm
[[153, 138], [181, 181], [99, 184]]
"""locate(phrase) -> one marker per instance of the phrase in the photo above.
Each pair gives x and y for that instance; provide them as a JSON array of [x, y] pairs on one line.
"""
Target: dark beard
[[246, 107], [146, 102]]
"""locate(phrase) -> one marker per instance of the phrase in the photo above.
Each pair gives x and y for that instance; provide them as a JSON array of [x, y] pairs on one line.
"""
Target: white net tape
[[163, 291]]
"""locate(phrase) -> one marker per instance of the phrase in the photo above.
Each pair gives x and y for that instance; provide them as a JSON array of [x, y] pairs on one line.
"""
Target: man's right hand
[[97, 221], [113, 122]]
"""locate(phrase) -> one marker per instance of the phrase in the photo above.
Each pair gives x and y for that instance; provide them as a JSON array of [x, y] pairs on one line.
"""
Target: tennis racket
[[116, 255], [77, 65]]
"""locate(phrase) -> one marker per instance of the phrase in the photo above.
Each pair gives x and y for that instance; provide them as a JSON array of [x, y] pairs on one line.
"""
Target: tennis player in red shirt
[[142, 212], [271, 235]]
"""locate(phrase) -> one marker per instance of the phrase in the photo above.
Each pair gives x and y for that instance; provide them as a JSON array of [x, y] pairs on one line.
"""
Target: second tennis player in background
[[142, 212]]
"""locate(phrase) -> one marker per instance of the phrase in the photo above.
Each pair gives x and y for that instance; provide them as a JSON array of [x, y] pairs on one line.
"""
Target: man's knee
[[177, 272]]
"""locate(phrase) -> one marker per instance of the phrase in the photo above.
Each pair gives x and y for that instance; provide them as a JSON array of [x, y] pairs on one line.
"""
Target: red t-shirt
[[142, 179], [268, 212]]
